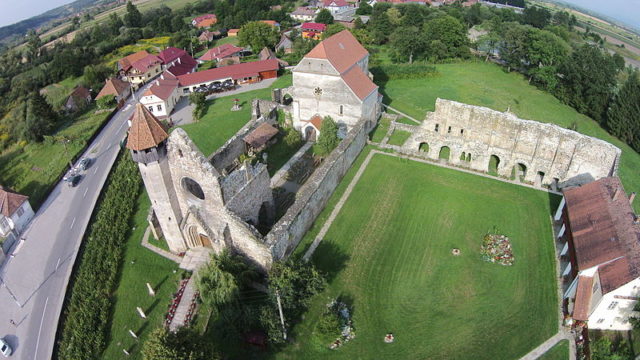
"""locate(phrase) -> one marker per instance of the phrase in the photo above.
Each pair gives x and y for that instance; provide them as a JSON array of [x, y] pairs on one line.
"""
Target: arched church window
[[192, 187], [341, 109]]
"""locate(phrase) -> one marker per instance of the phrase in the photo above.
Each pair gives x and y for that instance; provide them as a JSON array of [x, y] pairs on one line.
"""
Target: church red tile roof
[[316, 121], [359, 83], [146, 130], [113, 86], [10, 201]]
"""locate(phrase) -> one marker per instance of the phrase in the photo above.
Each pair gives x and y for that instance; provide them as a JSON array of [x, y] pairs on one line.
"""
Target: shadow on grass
[[330, 259]]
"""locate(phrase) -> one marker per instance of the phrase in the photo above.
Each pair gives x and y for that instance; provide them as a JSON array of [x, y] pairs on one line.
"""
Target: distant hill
[[13, 32]]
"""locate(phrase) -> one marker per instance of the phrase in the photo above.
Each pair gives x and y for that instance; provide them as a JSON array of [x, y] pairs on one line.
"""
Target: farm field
[[486, 84], [388, 254]]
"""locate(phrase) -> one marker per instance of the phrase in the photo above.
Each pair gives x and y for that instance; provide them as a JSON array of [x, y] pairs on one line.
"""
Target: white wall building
[[15, 214]]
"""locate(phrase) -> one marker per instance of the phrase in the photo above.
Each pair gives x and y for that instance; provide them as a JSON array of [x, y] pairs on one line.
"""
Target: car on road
[[84, 163], [5, 348], [74, 180]]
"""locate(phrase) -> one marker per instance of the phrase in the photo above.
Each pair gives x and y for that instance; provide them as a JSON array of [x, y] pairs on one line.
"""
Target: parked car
[[74, 180], [5, 348], [84, 163]]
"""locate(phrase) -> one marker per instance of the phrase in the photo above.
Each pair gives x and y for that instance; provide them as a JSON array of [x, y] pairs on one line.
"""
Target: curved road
[[33, 282]]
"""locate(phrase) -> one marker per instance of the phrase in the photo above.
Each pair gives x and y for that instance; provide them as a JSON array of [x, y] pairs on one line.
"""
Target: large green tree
[[328, 139], [451, 33], [324, 17], [39, 118], [407, 43], [258, 35], [364, 8], [132, 18], [94, 75], [623, 117]]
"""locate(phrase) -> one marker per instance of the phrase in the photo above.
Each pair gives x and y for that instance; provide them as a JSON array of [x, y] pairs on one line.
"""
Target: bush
[[403, 71], [106, 102], [328, 139], [293, 138], [86, 315]]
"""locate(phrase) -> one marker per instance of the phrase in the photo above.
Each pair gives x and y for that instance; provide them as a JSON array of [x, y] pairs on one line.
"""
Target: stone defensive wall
[[314, 194], [543, 154]]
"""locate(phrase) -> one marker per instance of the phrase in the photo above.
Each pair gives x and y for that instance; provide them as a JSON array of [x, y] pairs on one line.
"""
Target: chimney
[[631, 197]]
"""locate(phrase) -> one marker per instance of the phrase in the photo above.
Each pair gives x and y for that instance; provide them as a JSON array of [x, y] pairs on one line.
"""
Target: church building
[[333, 80]]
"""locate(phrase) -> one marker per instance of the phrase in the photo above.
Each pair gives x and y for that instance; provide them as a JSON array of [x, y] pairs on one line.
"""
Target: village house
[[140, 67], [162, 96], [268, 54], [333, 80], [220, 53], [78, 99], [15, 214], [336, 6], [208, 36], [311, 30], [119, 89], [250, 72], [233, 32], [285, 44], [304, 14], [601, 235], [204, 21]]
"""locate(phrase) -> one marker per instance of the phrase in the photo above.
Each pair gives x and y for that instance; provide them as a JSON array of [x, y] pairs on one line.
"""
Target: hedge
[[403, 71], [82, 334]]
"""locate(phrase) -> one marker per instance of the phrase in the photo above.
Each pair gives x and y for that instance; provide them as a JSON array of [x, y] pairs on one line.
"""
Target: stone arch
[[539, 178], [310, 133], [445, 153], [192, 188], [519, 171], [423, 147], [197, 238], [463, 156], [468, 157], [494, 165]]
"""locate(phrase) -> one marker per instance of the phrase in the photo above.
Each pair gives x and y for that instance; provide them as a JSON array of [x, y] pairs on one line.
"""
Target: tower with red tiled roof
[[333, 80]]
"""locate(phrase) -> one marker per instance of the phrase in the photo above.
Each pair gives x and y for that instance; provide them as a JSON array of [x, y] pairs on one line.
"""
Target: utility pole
[[284, 330]]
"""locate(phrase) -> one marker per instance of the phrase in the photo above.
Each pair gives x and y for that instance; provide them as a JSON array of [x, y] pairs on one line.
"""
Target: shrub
[[106, 102], [403, 71], [328, 139]]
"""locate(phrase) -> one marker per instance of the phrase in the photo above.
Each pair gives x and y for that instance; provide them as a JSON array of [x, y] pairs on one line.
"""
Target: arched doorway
[[197, 239], [445, 152], [494, 163], [310, 133], [463, 156], [539, 178], [519, 172], [424, 147]]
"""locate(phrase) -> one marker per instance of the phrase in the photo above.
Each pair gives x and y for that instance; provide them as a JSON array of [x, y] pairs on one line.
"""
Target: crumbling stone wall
[[550, 154]]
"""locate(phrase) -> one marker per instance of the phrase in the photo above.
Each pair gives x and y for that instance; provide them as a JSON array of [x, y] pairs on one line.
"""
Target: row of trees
[[87, 314]]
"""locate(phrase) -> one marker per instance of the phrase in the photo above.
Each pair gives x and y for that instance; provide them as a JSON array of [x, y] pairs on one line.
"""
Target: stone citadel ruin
[[544, 154]]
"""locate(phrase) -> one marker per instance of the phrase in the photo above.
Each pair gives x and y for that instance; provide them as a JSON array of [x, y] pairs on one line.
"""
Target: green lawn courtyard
[[559, 351], [388, 253], [487, 84]]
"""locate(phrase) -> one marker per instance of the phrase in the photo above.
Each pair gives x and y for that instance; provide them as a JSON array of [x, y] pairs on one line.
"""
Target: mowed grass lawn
[[389, 253], [487, 84], [559, 351]]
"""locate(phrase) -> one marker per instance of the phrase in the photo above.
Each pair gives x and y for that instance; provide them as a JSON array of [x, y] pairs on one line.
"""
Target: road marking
[[73, 222], [85, 192], [121, 126], [96, 170], [58, 264], [41, 322]]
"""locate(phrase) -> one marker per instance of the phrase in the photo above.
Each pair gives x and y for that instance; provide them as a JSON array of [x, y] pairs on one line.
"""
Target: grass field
[[398, 137], [33, 168], [487, 84], [381, 130], [140, 266], [220, 123], [56, 94], [389, 252], [559, 351]]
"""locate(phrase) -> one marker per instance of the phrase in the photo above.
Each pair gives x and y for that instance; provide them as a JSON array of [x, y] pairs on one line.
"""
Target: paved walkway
[[180, 317], [157, 250], [544, 347], [403, 114], [195, 258]]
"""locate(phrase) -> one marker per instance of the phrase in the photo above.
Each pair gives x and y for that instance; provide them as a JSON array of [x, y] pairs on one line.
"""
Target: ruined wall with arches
[[486, 140]]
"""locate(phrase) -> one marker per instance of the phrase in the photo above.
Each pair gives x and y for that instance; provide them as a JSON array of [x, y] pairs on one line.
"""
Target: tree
[[380, 26], [451, 33], [324, 17], [537, 17], [199, 99], [296, 282], [332, 30], [364, 8], [114, 24], [106, 102], [132, 18], [94, 75], [258, 35], [328, 139], [514, 45], [293, 138], [545, 53], [407, 44], [623, 116], [217, 287], [604, 349], [39, 118], [394, 16]]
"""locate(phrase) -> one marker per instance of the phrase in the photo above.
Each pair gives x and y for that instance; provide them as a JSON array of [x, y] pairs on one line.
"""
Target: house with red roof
[[204, 21], [15, 214], [233, 32], [600, 258], [249, 72], [333, 80], [162, 96], [304, 14], [336, 6], [220, 53], [142, 70], [116, 87], [78, 99], [311, 30]]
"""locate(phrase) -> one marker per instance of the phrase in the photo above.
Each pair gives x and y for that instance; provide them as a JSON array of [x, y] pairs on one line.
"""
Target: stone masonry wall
[[314, 194], [552, 155]]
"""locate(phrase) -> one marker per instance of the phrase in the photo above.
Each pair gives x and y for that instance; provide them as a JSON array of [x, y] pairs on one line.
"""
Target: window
[[437, 126], [341, 108], [612, 305], [600, 321], [159, 107], [4, 223], [150, 108], [449, 130], [461, 131], [20, 211]]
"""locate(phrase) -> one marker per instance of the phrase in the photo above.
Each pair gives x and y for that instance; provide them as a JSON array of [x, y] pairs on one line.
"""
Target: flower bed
[[337, 317], [496, 248]]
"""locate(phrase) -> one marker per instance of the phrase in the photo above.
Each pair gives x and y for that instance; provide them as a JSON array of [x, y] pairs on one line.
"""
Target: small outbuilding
[[260, 137], [79, 98]]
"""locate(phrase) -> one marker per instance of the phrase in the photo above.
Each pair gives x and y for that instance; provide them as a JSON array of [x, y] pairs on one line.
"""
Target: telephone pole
[[284, 330]]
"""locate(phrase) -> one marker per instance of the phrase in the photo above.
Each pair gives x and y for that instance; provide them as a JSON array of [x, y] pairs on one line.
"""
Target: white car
[[5, 349]]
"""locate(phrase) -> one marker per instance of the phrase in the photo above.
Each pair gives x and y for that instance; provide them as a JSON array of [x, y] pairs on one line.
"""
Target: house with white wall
[[162, 96], [601, 236], [336, 6], [15, 214]]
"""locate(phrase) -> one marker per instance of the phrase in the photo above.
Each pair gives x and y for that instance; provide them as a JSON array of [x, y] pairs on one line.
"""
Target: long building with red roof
[[333, 80]]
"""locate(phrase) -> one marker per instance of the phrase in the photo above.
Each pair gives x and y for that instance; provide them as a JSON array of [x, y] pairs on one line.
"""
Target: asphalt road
[[35, 279]]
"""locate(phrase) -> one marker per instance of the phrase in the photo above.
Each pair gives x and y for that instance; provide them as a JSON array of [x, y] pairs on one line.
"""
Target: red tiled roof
[[220, 52], [184, 65], [206, 23], [269, 22], [233, 31], [601, 221], [316, 121], [10, 201], [314, 26], [342, 50], [359, 83], [237, 71], [582, 305], [171, 53], [204, 17], [113, 86], [126, 62], [163, 87], [260, 135], [145, 63], [340, 3], [304, 11], [80, 92], [146, 130]]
